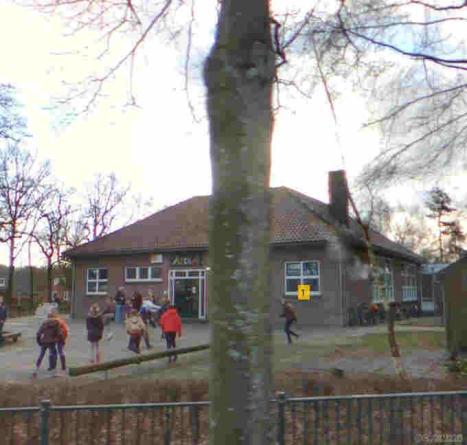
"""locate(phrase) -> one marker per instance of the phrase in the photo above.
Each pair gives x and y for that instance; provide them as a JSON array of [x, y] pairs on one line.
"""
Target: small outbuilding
[[454, 286], [432, 294]]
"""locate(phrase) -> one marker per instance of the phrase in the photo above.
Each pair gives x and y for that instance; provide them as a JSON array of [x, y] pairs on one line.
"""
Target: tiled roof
[[295, 218]]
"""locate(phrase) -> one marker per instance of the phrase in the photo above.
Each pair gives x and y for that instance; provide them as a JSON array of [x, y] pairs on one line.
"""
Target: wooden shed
[[454, 282]]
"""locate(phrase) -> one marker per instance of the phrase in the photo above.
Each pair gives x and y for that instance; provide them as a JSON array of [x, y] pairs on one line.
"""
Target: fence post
[[44, 422], [281, 401]]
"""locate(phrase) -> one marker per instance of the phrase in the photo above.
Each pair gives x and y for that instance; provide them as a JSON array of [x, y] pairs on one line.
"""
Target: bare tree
[[48, 233], [335, 40], [21, 193], [104, 199], [414, 233], [376, 211]]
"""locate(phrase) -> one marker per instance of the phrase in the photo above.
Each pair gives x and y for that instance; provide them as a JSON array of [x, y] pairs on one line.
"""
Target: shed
[[454, 285]]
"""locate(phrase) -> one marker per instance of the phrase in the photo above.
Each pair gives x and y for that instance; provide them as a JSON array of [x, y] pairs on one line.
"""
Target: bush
[[458, 366]]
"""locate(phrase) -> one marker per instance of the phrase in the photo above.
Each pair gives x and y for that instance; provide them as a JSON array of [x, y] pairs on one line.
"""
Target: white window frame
[[97, 281], [408, 276], [156, 258], [138, 278], [379, 293], [302, 277], [2, 282]]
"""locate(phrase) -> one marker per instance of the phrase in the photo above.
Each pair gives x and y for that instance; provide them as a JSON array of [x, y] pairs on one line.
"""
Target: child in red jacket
[[171, 325]]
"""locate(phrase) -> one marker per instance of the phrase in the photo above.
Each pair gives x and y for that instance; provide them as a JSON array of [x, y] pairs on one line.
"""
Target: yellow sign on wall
[[303, 291]]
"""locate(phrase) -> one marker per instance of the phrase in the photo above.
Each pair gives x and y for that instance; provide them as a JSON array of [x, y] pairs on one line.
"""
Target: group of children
[[53, 332]]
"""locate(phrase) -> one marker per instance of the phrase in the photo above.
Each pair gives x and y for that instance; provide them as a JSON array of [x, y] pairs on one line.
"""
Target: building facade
[[312, 243]]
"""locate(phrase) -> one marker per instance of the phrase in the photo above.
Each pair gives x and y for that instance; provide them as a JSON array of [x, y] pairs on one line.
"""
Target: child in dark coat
[[288, 313], [48, 335], [3, 315], [95, 328]]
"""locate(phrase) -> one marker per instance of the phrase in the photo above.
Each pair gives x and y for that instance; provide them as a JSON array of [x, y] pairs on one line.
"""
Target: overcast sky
[[157, 146]]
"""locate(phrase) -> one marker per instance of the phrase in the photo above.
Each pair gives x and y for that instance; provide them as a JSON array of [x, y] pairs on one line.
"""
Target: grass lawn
[[378, 343]]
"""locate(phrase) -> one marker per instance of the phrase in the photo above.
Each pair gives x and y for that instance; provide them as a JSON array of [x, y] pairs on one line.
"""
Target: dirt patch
[[342, 352], [127, 390]]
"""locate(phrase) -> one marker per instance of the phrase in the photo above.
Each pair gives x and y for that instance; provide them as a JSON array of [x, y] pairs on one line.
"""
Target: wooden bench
[[9, 336]]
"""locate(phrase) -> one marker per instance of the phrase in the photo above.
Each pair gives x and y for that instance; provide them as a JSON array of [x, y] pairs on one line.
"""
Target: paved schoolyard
[[17, 359]]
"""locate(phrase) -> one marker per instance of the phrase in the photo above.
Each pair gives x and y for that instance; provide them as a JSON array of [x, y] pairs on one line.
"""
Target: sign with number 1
[[303, 291]]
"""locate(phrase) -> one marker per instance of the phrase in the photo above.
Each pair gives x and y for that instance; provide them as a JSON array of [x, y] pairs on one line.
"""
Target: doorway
[[187, 292]]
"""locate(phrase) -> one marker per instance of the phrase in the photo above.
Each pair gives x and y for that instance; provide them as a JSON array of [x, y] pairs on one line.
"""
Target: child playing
[[135, 328], [62, 339], [171, 325], [95, 328], [48, 335]]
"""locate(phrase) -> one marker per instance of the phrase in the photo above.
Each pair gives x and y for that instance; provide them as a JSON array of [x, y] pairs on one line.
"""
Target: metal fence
[[358, 419]]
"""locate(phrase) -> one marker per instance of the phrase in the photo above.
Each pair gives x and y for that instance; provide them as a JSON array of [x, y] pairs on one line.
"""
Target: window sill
[[156, 280], [295, 297], [91, 294]]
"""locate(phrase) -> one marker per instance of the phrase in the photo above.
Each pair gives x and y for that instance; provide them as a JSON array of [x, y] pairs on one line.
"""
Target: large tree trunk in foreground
[[239, 74]]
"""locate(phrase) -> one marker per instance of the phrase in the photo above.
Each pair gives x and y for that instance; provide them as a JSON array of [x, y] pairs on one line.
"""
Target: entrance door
[[187, 292], [186, 296]]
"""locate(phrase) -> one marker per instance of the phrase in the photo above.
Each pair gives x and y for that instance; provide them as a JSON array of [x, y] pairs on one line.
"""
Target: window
[[2, 282], [302, 272], [409, 282], [156, 258], [96, 281], [382, 287], [143, 273]]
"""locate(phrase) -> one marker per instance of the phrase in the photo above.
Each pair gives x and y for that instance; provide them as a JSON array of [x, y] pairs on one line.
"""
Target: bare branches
[[401, 108], [440, 8], [188, 61], [279, 50], [457, 63], [104, 200]]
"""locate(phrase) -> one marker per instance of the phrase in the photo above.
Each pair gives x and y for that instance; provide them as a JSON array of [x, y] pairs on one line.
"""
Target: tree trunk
[[239, 73], [440, 240], [31, 275], [11, 271], [49, 279], [393, 345]]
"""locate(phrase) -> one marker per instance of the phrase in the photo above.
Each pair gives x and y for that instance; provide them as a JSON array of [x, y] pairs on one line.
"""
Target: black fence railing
[[439, 417]]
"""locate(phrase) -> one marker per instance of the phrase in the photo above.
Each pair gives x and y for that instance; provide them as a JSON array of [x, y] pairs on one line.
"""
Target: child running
[[171, 325]]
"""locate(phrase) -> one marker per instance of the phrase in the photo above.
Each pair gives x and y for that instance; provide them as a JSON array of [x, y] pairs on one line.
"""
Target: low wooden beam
[[105, 366]]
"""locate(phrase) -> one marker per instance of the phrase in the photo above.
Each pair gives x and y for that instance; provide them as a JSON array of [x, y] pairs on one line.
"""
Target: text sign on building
[[303, 291], [186, 260]]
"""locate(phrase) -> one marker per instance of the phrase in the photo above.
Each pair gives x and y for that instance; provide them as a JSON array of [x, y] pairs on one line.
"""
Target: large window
[[409, 282], [96, 282], [383, 287], [143, 273], [302, 272]]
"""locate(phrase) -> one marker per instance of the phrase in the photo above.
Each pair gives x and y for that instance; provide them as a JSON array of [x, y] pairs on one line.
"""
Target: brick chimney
[[338, 196]]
